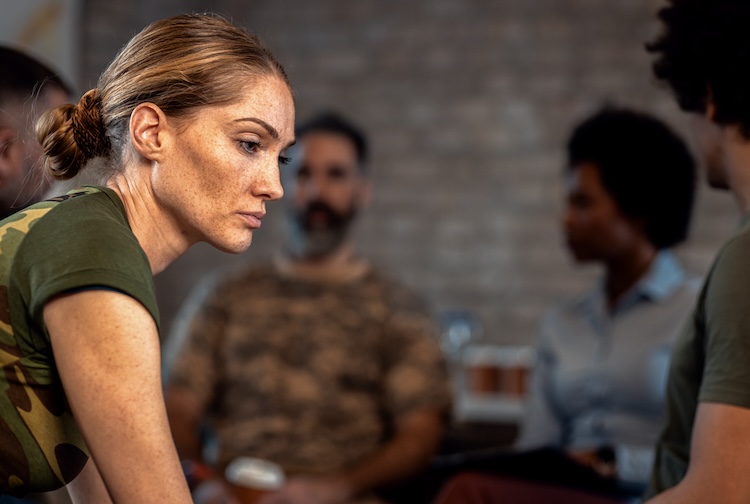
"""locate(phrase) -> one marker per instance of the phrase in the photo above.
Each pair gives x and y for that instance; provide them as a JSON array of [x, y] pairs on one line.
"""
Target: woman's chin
[[233, 246]]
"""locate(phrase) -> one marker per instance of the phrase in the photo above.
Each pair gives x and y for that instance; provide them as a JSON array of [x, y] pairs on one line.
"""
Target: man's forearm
[[404, 455]]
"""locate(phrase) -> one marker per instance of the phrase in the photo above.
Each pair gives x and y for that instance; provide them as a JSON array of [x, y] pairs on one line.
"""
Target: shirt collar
[[659, 282], [663, 278]]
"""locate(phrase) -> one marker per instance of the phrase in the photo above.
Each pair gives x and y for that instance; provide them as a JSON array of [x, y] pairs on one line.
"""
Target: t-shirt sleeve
[[416, 374], [66, 252], [726, 375], [191, 350]]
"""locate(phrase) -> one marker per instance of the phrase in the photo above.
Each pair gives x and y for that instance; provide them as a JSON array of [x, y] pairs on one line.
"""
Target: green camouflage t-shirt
[[75, 241]]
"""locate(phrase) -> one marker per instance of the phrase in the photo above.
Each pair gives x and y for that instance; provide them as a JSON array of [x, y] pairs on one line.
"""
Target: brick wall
[[468, 104]]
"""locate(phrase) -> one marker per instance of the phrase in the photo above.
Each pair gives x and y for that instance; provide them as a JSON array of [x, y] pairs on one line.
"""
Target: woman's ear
[[148, 125]]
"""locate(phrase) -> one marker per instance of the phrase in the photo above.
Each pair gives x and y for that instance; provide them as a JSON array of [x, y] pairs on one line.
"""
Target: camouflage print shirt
[[309, 374], [67, 243]]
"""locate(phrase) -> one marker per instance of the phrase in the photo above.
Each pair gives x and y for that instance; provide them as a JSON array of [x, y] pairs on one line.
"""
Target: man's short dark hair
[[644, 165], [703, 51], [330, 122], [23, 76]]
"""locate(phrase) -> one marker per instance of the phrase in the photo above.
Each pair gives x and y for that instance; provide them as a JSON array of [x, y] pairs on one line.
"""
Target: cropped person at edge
[[27, 89], [702, 454]]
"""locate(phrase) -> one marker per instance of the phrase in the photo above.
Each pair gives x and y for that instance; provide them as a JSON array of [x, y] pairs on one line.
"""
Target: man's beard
[[318, 230]]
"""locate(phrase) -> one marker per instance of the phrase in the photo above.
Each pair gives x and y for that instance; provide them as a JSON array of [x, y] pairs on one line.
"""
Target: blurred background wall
[[468, 104], [47, 29]]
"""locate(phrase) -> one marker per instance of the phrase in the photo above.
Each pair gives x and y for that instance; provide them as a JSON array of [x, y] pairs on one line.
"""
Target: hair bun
[[88, 127], [71, 135]]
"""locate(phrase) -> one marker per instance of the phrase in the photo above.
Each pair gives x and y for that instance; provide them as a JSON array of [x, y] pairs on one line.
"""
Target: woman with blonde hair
[[187, 126]]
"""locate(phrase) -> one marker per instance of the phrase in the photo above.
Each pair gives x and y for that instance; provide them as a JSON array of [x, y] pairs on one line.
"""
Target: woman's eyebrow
[[270, 129]]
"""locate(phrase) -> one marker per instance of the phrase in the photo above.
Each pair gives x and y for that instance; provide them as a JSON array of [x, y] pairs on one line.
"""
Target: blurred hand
[[584, 457], [308, 490], [213, 491], [590, 459]]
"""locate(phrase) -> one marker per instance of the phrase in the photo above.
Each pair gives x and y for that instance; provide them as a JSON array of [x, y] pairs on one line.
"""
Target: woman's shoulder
[[83, 229], [91, 214], [85, 204]]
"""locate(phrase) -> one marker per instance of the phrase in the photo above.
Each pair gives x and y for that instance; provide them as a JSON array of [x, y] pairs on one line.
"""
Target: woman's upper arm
[[106, 349]]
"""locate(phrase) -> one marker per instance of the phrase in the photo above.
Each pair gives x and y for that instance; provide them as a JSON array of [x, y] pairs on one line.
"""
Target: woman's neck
[[156, 230], [625, 272]]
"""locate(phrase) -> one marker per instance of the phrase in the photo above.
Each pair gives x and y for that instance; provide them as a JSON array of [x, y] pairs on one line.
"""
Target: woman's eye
[[285, 160], [250, 146]]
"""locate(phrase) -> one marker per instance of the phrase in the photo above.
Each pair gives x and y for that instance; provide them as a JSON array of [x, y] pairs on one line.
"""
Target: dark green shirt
[[76, 241], [711, 358]]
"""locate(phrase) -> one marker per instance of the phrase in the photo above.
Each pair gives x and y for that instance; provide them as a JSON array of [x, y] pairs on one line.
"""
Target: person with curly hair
[[185, 129], [596, 400], [702, 454]]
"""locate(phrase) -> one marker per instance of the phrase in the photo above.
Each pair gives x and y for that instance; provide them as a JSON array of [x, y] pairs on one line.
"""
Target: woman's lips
[[253, 219]]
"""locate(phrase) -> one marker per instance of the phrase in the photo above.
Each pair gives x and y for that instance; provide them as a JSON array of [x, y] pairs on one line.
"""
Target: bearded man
[[315, 361]]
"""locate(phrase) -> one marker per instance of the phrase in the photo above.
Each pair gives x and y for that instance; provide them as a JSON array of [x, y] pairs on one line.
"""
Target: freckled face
[[223, 165]]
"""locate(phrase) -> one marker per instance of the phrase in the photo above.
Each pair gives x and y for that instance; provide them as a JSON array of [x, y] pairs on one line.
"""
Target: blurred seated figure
[[28, 88], [597, 397], [315, 361]]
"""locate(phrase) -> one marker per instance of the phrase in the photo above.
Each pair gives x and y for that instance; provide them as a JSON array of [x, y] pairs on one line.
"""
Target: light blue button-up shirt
[[600, 375]]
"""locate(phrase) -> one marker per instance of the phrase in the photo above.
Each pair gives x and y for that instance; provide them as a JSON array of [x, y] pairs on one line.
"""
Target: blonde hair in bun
[[71, 135], [179, 64]]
